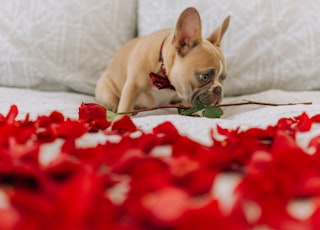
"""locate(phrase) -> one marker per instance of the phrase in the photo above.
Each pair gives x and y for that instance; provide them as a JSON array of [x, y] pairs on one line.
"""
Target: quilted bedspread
[[63, 166]]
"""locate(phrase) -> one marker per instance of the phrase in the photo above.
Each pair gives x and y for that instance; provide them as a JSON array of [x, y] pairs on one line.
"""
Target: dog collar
[[158, 81]]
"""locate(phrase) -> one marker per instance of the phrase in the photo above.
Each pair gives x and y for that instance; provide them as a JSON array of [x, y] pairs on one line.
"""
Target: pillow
[[61, 45], [269, 44]]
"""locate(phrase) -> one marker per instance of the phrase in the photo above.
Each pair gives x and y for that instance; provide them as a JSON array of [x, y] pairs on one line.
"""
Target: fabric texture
[[37, 102], [269, 44], [61, 45], [89, 173]]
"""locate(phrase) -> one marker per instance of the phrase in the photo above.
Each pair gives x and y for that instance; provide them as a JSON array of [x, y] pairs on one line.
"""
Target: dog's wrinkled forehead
[[207, 56], [221, 69]]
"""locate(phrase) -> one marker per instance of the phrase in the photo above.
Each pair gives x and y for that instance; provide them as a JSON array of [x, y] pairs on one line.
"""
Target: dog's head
[[199, 67]]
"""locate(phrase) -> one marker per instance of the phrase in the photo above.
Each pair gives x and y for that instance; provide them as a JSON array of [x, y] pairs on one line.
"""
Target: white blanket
[[38, 103]]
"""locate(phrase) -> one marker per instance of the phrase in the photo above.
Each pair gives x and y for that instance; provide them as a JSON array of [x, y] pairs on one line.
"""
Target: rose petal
[[125, 124], [167, 205], [91, 111]]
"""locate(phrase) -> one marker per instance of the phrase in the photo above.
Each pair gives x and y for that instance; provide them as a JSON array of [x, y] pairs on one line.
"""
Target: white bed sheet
[[39, 102]]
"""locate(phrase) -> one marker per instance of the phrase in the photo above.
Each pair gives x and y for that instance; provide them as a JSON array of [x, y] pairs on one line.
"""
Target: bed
[[64, 166]]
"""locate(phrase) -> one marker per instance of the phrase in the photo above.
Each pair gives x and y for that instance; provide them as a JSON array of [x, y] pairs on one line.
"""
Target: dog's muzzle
[[207, 97]]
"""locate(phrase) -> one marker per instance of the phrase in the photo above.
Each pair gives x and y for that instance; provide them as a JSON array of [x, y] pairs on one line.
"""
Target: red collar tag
[[160, 82]]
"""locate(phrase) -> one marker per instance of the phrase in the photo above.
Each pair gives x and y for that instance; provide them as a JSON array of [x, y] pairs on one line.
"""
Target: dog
[[169, 66]]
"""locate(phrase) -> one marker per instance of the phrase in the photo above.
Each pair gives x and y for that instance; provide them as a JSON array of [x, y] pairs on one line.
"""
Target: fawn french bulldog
[[166, 67]]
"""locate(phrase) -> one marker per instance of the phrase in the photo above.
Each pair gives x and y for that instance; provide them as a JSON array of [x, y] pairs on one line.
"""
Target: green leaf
[[192, 110], [212, 112], [111, 115], [202, 110]]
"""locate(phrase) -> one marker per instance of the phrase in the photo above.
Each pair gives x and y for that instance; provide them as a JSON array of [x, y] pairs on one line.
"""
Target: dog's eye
[[204, 77]]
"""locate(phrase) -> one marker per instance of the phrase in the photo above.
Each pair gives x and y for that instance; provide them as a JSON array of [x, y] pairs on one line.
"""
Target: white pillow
[[269, 44], [61, 45]]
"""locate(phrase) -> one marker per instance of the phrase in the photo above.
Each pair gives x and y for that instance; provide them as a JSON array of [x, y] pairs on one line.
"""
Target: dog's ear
[[188, 31], [216, 37]]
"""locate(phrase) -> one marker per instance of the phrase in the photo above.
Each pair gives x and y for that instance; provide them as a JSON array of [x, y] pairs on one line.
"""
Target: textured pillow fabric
[[269, 44], [61, 45]]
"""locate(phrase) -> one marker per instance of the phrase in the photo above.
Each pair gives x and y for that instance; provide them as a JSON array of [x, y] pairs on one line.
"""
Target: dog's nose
[[217, 90]]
